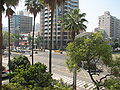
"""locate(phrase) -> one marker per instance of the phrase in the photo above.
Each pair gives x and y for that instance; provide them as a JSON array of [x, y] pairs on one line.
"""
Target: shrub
[[19, 62]]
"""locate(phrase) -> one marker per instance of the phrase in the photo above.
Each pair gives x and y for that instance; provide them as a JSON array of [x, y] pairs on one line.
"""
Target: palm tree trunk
[[50, 53], [33, 41], [73, 35], [9, 43], [0, 46], [61, 44]]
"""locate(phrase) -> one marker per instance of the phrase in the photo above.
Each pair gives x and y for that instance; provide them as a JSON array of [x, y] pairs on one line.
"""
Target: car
[[59, 51], [5, 73], [96, 71]]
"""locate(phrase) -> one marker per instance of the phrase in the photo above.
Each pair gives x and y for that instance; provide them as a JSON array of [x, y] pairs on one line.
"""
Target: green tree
[[21, 40], [113, 83], [60, 85], [12, 86], [38, 41], [74, 22], [2, 9], [34, 76], [52, 4], [57, 85], [29, 40], [115, 43], [91, 50], [34, 7], [19, 62], [9, 13], [17, 39], [5, 38]]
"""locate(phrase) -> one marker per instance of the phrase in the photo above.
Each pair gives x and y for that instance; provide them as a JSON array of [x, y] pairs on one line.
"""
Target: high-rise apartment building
[[60, 37], [20, 24], [110, 24]]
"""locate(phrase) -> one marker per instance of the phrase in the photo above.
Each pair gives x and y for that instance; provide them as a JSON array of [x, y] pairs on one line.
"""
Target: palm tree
[[52, 4], [74, 22], [29, 38], [38, 41], [17, 39], [34, 7], [2, 9], [9, 12]]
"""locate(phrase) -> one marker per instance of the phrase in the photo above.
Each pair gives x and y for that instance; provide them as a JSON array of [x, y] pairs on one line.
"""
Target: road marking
[[79, 83]]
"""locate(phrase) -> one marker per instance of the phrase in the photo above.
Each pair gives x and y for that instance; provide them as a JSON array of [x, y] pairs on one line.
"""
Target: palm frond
[[74, 21], [34, 6], [9, 12], [52, 3]]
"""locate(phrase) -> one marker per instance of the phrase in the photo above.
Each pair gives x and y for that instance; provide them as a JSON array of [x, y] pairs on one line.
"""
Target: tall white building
[[110, 24]]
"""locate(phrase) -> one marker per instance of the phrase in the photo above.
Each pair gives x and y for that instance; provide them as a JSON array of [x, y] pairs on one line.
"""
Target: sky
[[92, 8]]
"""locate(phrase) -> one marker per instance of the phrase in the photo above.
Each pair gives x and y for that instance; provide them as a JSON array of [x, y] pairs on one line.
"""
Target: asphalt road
[[59, 67]]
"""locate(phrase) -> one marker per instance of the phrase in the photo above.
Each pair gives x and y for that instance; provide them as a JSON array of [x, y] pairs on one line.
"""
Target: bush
[[112, 84], [60, 85], [12, 86], [19, 62], [35, 76]]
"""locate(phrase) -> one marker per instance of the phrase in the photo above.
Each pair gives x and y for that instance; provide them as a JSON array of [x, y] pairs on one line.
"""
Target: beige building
[[110, 24]]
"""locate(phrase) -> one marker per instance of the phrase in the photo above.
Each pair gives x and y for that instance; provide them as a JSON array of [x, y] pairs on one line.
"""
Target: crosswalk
[[80, 84]]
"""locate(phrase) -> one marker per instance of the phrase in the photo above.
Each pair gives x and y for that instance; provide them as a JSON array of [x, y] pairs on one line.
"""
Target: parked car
[[5, 73], [95, 71], [59, 51]]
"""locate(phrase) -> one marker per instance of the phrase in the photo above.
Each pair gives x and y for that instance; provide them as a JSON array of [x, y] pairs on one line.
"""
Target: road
[[59, 68]]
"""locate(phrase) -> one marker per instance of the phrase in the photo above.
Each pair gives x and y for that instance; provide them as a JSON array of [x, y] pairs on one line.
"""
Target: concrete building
[[60, 37], [20, 24], [23, 41], [110, 24]]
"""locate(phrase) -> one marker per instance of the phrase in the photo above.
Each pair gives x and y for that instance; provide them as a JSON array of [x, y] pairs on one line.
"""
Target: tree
[[115, 43], [38, 41], [5, 38], [34, 76], [21, 40], [60, 85], [34, 7], [91, 50], [57, 85], [9, 13], [17, 61], [113, 83], [12, 86], [29, 40], [52, 4], [17, 39], [74, 22], [2, 9]]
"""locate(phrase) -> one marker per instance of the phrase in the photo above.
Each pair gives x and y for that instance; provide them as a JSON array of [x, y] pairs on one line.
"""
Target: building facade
[[60, 37], [110, 24], [20, 24]]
